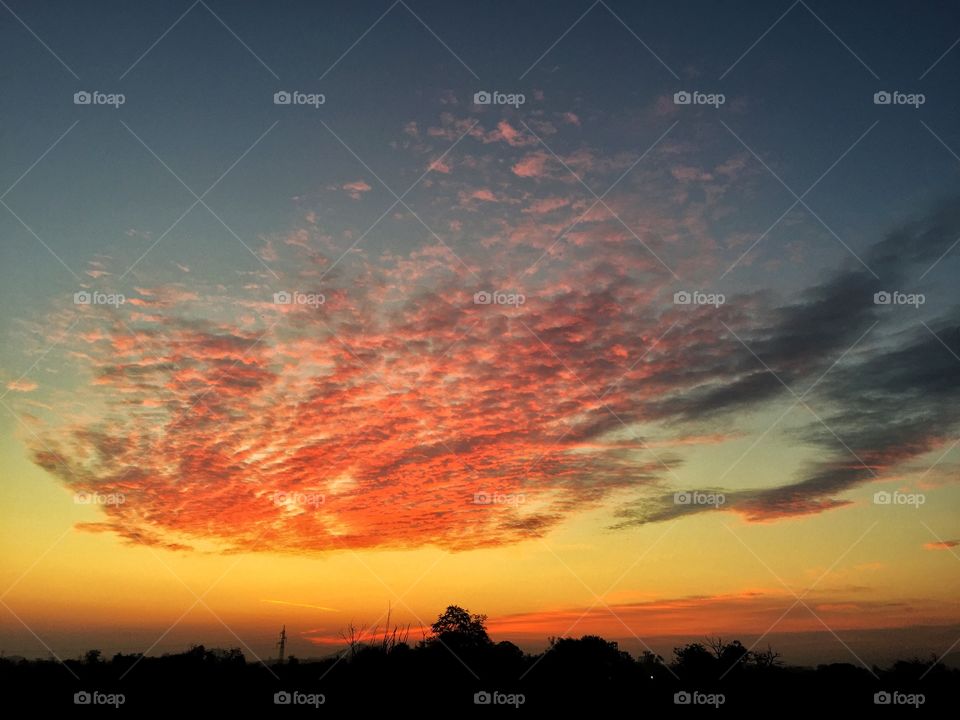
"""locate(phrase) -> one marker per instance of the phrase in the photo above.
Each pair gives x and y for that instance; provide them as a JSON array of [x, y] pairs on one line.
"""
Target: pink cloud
[[507, 133], [356, 188], [484, 194], [442, 166], [533, 165], [546, 205]]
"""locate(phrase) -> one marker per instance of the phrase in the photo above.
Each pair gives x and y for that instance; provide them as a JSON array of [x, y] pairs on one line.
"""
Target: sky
[[631, 320]]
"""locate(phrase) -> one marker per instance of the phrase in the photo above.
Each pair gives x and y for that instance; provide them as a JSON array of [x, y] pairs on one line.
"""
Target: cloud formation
[[384, 404]]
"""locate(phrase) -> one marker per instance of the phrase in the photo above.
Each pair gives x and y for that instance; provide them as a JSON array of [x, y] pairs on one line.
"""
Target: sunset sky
[[189, 459]]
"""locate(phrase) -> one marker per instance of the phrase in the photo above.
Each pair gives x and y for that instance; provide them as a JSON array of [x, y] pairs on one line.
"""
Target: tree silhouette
[[766, 658], [695, 662], [591, 660], [729, 655], [459, 628]]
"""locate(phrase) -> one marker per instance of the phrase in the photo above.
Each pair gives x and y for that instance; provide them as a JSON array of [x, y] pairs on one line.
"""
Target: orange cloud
[[701, 616], [22, 385], [941, 545]]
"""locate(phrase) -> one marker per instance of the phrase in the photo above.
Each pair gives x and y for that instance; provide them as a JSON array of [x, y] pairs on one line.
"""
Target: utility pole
[[283, 643]]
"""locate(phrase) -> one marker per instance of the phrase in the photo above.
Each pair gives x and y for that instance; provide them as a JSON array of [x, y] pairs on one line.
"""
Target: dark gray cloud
[[891, 400]]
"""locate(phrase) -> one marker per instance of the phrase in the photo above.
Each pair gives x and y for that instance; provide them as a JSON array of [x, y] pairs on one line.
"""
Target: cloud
[[941, 545], [688, 173], [378, 424], [379, 415], [441, 165], [532, 166], [709, 615], [888, 404], [698, 616], [505, 132], [484, 194], [547, 205], [356, 188]]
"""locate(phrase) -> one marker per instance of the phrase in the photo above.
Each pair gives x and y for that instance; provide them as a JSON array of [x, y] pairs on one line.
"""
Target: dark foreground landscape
[[458, 667]]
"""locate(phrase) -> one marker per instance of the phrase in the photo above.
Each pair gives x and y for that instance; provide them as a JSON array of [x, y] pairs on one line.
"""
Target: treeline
[[459, 667]]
